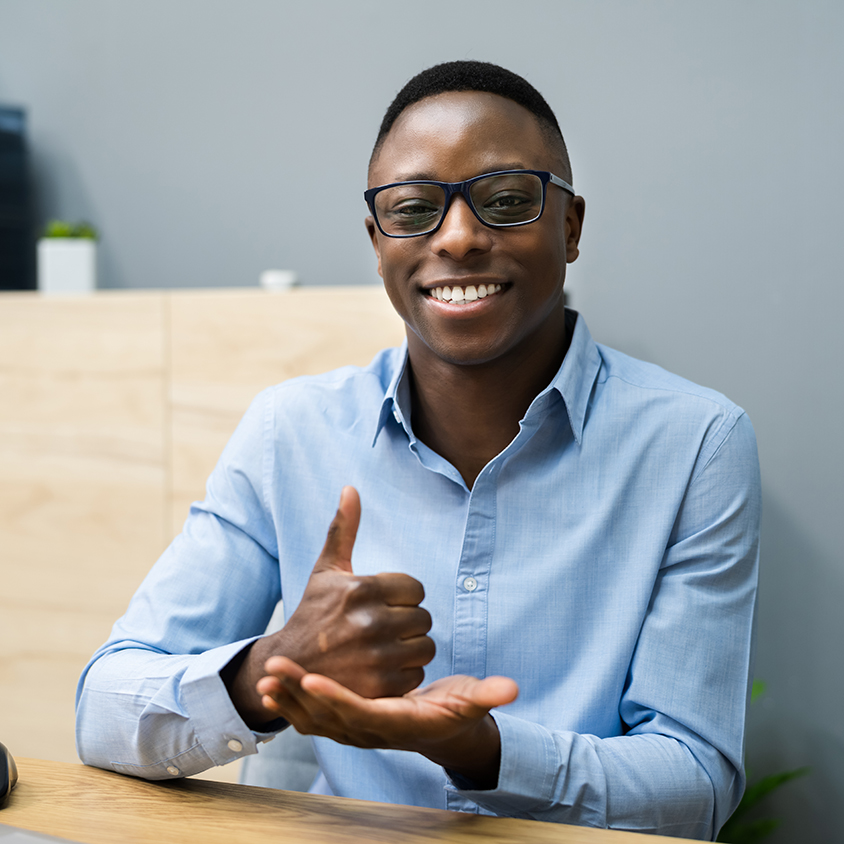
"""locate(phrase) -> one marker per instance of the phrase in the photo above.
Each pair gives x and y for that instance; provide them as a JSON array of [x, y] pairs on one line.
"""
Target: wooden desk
[[99, 807]]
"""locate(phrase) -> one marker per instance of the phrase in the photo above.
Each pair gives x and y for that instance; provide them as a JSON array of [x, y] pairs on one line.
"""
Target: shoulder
[[658, 404], [341, 395], [646, 383]]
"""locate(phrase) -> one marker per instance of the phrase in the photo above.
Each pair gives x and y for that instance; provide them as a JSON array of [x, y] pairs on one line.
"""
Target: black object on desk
[[8, 773]]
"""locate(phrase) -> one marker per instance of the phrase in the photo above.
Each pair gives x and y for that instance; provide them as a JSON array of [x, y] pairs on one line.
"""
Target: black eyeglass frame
[[451, 188]]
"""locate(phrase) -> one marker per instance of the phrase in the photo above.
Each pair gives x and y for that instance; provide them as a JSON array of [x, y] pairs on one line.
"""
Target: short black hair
[[475, 76]]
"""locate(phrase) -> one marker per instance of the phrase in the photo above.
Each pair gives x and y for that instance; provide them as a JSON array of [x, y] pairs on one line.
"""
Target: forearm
[[158, 716], [645, 783]]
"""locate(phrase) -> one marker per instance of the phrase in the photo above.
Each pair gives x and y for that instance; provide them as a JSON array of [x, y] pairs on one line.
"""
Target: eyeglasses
[[499, 200]]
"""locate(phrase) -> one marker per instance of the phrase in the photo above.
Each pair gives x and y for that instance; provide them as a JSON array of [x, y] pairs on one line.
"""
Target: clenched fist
[[367, 633]]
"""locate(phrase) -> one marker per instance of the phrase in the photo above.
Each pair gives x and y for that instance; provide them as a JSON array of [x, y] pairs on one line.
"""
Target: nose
[[461, 233]]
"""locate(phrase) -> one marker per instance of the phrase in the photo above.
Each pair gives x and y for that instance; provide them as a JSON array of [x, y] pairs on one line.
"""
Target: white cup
[[279, 279]]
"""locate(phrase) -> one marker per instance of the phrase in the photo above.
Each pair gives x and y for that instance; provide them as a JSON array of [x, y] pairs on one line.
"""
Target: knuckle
[[429, 648], [364, 622], [358, 589]]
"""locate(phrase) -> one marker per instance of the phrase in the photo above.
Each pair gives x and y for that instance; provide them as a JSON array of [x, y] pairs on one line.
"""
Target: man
[[581, 527]]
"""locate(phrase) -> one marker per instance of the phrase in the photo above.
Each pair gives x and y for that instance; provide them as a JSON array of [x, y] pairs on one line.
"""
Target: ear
[[372, 230], [574, 226]]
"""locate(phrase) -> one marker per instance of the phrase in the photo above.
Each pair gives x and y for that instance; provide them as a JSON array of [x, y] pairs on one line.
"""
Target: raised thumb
[[337, 551]]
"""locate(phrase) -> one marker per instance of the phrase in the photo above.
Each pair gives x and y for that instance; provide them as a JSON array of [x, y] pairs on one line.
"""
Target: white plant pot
[[67, 265]]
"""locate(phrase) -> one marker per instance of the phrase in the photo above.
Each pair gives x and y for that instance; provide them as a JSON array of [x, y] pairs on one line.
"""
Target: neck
[[469, 413]]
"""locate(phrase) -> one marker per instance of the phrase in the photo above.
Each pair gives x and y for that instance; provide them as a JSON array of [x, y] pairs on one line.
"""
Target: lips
[[457, 295]]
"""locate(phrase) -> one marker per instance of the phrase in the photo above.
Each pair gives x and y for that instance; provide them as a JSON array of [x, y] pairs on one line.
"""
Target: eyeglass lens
[[499, 200]]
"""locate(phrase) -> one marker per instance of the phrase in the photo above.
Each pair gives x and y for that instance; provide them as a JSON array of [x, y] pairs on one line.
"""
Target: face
[[452, 137]]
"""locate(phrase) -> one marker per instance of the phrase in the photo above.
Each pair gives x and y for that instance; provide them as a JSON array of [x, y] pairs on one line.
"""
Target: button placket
[[471, 587]]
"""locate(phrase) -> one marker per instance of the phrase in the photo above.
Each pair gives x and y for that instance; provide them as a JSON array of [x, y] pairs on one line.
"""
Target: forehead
[[454, 136]]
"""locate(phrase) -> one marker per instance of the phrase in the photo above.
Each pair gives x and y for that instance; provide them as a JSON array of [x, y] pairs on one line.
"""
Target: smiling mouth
[[464, 295]]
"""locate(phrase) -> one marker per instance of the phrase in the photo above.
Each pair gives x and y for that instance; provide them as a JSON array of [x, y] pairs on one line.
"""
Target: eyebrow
[[423, 176]]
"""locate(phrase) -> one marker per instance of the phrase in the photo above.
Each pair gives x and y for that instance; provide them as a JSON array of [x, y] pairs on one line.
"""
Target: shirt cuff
[[526, 774], [218, 727]]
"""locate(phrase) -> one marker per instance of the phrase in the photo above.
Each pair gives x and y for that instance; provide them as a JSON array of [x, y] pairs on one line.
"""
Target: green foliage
[[739, 831], [62, 228]]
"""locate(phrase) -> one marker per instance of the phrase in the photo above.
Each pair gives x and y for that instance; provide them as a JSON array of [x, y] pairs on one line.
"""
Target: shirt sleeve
[[151, 702], [678, 770]]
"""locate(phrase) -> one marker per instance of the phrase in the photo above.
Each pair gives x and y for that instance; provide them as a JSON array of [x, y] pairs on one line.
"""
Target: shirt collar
[[573, 381], [577, 374], [396, 396]]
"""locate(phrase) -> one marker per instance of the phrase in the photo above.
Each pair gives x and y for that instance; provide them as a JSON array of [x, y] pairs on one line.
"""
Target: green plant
[[739, 830], [62, 228]]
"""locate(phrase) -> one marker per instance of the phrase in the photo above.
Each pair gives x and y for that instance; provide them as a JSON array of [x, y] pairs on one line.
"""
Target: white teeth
[[463, 295]]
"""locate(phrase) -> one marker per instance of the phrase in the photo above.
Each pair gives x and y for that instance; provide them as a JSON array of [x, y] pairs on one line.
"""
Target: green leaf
[[747, 833], [58, 228], [761, 789], [85, 230], [62, 228]]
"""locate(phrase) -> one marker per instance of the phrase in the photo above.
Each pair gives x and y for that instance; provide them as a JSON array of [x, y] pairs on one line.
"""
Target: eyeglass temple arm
[[556, 180]]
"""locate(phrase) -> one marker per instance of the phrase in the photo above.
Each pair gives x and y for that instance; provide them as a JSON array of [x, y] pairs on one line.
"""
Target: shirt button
[[396, 416], [235, 745], [470, 584], [172, 769]]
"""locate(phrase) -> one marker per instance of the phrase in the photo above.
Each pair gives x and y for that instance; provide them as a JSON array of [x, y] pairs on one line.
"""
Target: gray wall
[[211, 140]]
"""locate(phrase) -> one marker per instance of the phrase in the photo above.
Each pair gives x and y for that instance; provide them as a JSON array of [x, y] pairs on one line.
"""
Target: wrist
[[240, 676], [474, 757]]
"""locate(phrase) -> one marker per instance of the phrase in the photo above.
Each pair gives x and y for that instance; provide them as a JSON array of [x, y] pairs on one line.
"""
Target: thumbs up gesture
[[366, 633]]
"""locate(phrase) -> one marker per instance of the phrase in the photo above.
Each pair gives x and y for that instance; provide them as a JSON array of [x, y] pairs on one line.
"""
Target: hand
[[447, 721], [367, 633]]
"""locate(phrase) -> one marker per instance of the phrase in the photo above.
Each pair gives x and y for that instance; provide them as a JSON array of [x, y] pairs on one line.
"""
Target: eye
[[509, 205], [409, 208], [413, 208], [508, 199]]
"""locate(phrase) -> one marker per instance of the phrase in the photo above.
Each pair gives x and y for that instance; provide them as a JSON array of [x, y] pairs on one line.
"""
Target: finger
[[400, 590], [402, 623], [331, 693], [418, 651], [407, 653], [493, 691], [337, 552], [283, 667], [315, 714], [278, 700]]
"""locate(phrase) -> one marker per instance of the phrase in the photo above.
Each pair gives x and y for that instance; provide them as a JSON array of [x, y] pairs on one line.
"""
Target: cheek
[[397, 265]]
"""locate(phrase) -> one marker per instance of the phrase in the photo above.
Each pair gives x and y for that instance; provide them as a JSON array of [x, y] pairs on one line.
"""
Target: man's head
[[483, 77], [474, 288]]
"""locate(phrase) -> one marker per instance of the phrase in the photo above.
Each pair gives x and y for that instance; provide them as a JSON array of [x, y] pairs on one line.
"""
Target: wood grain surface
[[115, 407], [99, 807], [82, 493]]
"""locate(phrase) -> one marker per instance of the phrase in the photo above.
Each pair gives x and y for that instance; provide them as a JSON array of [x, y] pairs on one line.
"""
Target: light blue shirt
[[606, 560]]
